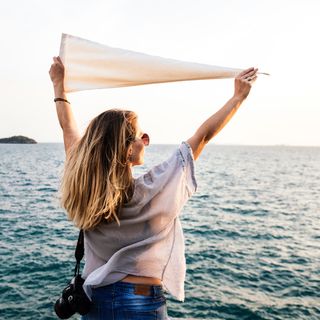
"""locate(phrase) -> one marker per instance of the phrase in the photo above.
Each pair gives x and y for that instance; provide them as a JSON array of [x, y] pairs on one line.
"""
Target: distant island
[[18, 139]]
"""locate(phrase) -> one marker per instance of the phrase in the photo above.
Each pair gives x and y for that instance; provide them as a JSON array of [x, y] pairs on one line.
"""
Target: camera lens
[[84, 305], [62, 309]]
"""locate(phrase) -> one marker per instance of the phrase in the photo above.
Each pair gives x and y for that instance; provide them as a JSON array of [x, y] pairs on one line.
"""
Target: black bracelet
[[60, 99]]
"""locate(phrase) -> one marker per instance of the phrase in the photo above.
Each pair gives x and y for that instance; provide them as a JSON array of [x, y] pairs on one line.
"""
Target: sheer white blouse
[[149, 241]]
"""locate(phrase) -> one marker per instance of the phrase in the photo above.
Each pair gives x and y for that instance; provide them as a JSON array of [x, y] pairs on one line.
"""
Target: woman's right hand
[[56, 72], [243, 83]]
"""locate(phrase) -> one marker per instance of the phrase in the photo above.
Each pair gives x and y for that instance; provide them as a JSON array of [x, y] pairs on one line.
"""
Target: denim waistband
[[133, 288]]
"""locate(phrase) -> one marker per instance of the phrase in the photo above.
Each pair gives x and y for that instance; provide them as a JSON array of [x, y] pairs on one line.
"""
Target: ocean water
[[252, 233]]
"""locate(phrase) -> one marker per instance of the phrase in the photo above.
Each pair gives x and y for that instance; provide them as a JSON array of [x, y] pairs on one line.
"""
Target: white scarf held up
[[90, 65]]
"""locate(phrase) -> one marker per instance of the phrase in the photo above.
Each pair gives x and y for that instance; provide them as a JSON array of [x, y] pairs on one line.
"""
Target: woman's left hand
[[56, 72]]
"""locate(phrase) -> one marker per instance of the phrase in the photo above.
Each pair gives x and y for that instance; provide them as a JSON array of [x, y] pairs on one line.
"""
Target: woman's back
[[149, 240]]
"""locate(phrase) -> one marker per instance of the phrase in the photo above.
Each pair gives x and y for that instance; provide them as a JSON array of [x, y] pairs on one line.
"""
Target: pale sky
[[278, 36]]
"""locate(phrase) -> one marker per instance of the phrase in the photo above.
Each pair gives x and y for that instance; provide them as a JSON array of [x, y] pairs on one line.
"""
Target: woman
[[134, 246]]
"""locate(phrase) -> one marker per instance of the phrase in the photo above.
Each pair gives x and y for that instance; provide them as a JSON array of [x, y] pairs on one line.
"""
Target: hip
[[123, 300]]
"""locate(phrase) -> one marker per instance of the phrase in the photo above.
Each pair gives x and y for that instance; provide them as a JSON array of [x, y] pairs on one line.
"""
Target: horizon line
[[223, 144]]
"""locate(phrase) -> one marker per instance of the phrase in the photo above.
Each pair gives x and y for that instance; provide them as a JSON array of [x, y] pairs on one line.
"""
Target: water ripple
[[251, 231]]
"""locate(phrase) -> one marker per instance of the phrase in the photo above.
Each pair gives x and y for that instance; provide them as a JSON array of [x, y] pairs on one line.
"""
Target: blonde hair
[[97, 178]]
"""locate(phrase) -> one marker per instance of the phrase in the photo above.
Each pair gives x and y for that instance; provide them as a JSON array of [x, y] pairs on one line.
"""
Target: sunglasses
[[145, 139]]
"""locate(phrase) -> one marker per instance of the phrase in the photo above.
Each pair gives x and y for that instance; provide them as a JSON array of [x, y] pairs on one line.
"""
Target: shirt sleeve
[[169, 177], [187, 161]]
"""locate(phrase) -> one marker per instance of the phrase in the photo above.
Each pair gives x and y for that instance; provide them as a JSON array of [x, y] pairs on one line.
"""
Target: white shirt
[[149, 241]]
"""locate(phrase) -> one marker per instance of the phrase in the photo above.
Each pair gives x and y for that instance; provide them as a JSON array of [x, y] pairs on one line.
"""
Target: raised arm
[[218, 120], [64, 111]]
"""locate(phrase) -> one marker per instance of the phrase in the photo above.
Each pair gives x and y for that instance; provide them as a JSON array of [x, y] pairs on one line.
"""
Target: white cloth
[[90, 65], [149, 241]]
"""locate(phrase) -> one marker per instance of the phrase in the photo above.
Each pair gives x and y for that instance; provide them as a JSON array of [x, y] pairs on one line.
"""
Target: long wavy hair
[[97, 178]]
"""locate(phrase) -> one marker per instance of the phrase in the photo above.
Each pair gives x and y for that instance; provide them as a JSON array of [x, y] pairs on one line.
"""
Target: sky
[[278, 37]]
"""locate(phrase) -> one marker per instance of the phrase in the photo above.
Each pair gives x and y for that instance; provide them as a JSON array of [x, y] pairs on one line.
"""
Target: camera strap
[[79, 253]]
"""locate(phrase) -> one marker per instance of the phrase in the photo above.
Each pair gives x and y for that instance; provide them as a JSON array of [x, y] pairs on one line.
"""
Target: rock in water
[[18, 139]]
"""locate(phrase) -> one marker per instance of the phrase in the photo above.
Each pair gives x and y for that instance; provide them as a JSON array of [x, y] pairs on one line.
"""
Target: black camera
[[73, 300]]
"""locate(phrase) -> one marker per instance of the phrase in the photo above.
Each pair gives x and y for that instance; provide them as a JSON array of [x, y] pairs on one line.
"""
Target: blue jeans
[[123, 300]]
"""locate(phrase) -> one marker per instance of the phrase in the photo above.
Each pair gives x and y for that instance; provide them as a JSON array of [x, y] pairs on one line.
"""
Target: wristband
[[61, 99]]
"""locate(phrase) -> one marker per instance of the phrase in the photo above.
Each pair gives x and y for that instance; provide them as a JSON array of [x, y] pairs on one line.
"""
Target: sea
[[252, 233]]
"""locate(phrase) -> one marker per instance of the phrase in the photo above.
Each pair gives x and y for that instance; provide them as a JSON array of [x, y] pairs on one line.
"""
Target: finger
[[255, 71], [245, 71], [249, 74], [55, 61], [59, 59], [251, 79], [252, 71]]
